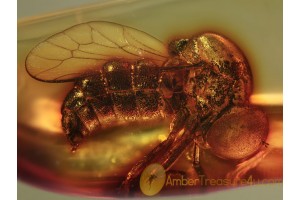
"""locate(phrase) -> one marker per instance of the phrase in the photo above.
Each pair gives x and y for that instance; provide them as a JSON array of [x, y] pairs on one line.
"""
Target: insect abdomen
[[133, 89], [119, 92]]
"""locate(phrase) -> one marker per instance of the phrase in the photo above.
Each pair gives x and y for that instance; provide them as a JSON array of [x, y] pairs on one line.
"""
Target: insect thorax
[[220, 77]]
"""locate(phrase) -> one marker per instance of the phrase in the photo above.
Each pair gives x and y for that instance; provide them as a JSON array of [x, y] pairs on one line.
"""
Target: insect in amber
[[122, 75]]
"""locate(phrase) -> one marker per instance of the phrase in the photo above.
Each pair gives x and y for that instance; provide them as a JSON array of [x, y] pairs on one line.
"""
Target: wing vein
[[120, 47], [50, 58], [97, 54], [59, 45], [71, 53], [55, 79], [48, 69], [71, 38], [142, 44]]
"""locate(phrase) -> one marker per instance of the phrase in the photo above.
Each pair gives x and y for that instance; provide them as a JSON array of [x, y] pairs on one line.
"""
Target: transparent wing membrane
[[83, 48]]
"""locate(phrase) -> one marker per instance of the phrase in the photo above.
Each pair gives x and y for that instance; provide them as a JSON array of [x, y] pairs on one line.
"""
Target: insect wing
[[83, 48]]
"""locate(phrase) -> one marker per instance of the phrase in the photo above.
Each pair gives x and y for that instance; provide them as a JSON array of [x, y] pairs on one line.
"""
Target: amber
[[124, 78]]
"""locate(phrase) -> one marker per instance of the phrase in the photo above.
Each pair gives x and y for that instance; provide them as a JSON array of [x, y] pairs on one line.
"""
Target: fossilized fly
[[121, 74]]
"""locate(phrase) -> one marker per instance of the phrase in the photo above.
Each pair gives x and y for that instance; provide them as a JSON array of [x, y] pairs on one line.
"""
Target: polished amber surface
[[193, 90]]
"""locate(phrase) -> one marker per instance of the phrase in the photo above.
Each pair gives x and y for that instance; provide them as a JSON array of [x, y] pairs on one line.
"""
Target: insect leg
[[196, 156], [175, 127], [167, 152], [180, 143]]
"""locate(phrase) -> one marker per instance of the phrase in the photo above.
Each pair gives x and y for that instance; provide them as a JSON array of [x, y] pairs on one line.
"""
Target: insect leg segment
[[181, 141], [166, 152]]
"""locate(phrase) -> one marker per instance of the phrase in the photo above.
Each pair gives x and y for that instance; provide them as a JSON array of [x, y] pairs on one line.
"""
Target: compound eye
[[239, 133]]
